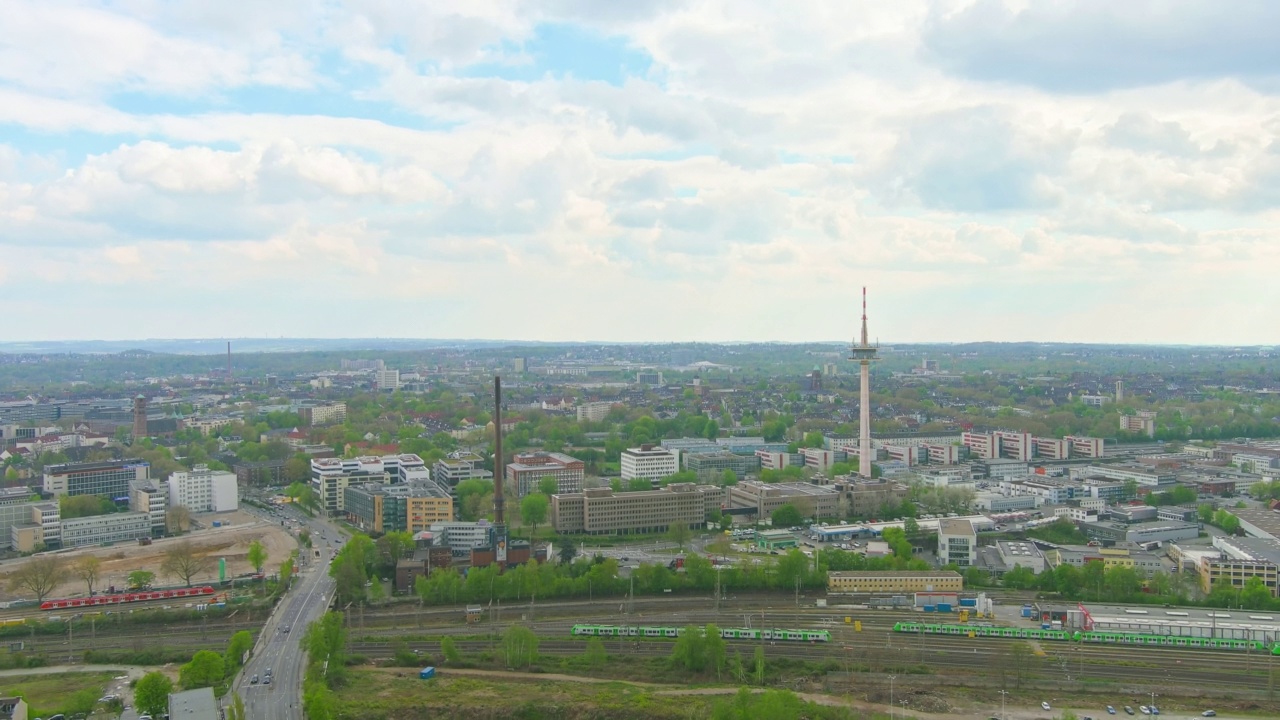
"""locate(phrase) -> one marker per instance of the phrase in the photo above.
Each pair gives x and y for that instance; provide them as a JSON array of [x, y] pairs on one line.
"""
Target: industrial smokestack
[[498, 465], [228, 359]]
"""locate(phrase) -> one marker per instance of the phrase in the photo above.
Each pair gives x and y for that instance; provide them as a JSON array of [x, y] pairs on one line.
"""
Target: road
[[278, 650]]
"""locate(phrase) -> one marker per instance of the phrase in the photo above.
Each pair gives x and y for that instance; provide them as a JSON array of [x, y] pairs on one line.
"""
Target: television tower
[[864, 355]]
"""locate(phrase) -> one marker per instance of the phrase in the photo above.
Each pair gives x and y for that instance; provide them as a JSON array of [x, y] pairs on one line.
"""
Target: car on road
[[253, 680], [1128, 710], [1208, 713], [266, 680], [1045, 706], [1111, 710]]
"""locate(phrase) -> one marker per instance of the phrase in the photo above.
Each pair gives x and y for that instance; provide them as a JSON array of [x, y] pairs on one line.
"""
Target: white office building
[[649, 462], [204, 490]]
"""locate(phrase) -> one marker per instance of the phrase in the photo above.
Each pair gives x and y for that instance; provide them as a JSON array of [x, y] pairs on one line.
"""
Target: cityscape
[[659, 360]]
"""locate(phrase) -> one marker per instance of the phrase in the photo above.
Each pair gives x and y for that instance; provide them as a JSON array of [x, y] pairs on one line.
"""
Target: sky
[[649, 170]]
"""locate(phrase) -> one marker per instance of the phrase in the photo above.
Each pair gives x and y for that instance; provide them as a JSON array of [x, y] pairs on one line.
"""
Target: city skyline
[[649, 172]]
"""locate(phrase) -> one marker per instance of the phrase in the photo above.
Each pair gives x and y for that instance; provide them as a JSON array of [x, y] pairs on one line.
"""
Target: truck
[[144, 541], [426, 673]]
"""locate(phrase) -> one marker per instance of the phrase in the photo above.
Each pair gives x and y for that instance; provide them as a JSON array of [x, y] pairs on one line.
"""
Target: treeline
[[326, 644]]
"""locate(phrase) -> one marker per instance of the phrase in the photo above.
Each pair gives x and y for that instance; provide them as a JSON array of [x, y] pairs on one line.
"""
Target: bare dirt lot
[[121, 559]]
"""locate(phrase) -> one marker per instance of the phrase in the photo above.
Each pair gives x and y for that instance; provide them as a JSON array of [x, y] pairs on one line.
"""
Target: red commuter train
[[127, 597]]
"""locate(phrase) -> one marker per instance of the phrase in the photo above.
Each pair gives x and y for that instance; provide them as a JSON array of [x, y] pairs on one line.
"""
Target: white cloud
[[770, 160]]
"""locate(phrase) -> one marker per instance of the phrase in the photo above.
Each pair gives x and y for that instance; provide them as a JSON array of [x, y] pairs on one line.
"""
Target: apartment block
[[387, 380], [594, 411], [1015, 445], [649, 462], [527, 470], [203, 490], [1138, 424], [600, 511], [107, 479], [983, 446], [318, 414]]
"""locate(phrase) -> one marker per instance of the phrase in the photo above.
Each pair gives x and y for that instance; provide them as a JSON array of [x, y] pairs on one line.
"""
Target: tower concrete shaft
[[864, 354]]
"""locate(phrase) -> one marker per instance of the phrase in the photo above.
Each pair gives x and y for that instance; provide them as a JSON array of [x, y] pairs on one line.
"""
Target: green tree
[[533, 511], [257, 556], [639, 484], [1255, 595], [728, 478], [206, 669], [680, 534], [759, 665], [450, 651], [548, 486], [151, 694], [567, 552], [237, 648], [595, 653], [519, 646], [140, 579], [787, 516], [690, 650]]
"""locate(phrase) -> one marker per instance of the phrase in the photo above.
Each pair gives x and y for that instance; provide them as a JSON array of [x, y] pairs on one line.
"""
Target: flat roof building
[[106, 479], [957, 542], [203, 490], [894, 581], [600, 511], [810, 500], [649, 462], [526, 471], [105, 529], [411, 507], [198, 704]]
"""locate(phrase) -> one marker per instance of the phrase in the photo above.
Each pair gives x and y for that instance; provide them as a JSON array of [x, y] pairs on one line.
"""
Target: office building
[[649, 377], [459, 466], [107, 479], [819, 460], [1015, 445], [387, 380], [1239, 559], [711, 466], [763, 498], [1003, 503], [105, 529], [203, 490], [1052, 448], [459, 534], [152, 498], [957, 542], [1145, 476], [984, 446], [526, 471], [865, 498], [412, 507], [1021, 554], [894, 581], [1085, 447], [1140, 533], [649, 462], [599, 511]]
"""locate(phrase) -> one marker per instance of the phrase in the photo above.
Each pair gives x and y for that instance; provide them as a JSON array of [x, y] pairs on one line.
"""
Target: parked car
[[1208, 713], [1111, 710], [1045, 706], [1128, 710]]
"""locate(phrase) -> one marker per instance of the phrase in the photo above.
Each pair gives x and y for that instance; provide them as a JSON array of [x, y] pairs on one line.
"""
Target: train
[[657, 631], [1102, 637], [128, 597]]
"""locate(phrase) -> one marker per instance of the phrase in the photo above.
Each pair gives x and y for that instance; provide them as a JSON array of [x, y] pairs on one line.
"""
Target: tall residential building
[[649, 462], [600, 511], [108, 479], [594, 411], [323, 413], [957, 542], [520, 364], [203, 490], [526, 471], [387, 379], [1144, 423]]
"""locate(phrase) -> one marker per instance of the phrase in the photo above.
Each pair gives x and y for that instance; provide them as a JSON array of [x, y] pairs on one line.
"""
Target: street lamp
[[1153, 700], [1003, 694], [891, 679]]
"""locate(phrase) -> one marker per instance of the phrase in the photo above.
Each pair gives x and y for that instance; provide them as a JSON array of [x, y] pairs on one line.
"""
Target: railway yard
[[850, 650]]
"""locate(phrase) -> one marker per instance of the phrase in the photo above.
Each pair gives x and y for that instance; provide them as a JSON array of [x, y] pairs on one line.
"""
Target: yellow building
[[899, 581]]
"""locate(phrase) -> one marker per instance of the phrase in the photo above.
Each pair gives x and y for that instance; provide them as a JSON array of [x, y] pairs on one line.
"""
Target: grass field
[[62, 693], [399, 694]]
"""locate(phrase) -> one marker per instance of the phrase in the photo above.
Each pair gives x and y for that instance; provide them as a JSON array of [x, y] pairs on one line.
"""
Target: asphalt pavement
[[280, 651]]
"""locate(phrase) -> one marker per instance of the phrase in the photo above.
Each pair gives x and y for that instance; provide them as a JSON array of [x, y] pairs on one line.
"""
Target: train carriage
[[1103, 637]]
